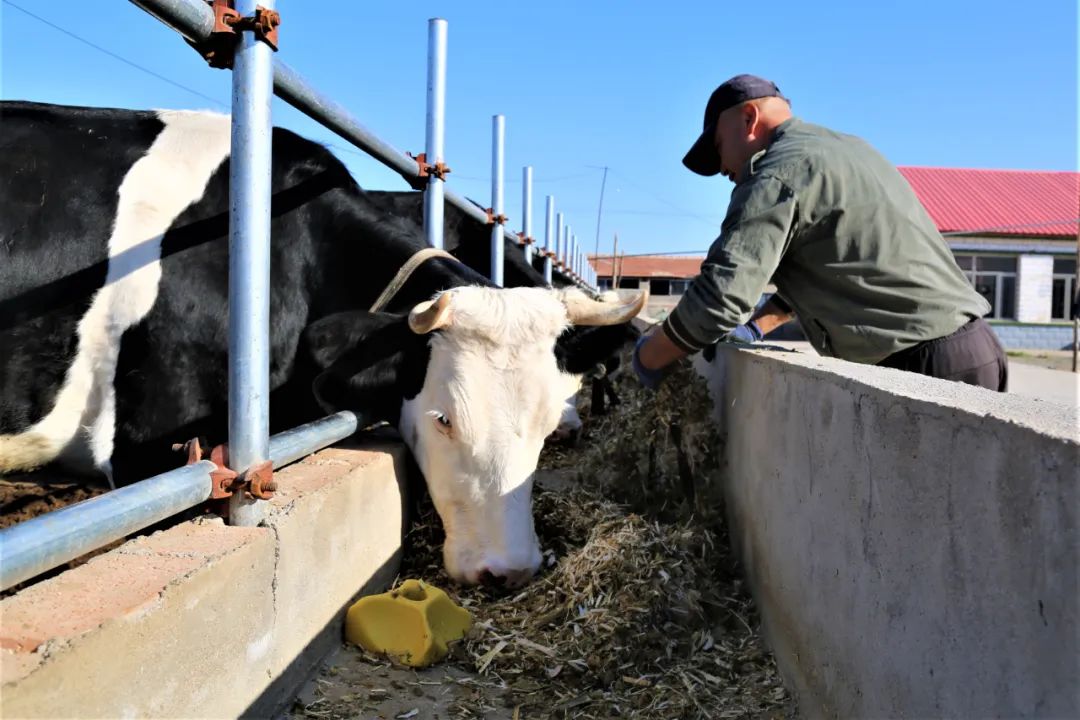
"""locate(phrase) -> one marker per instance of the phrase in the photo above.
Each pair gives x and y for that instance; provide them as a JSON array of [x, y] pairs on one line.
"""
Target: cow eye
[[442, 420]]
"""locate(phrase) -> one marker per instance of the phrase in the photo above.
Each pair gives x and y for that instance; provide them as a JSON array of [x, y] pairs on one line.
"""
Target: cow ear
[[328, 339], [366, 362], [580, 349]]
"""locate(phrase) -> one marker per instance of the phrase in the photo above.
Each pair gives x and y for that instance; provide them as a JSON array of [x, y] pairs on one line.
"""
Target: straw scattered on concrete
[[640, 611]]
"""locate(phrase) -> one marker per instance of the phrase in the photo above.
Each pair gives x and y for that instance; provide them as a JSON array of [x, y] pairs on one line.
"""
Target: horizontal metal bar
[[42, 543], [292, 445], [194, 20], [34, 546], [291, 87]]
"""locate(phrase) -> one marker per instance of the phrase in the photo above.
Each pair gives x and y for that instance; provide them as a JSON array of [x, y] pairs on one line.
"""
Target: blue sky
[[583, 85]]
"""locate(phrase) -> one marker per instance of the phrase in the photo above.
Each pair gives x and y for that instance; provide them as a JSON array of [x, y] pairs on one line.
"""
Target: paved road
[[1055, 386]]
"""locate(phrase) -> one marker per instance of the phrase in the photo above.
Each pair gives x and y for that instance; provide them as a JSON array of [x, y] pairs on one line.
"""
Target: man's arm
[[771, 316], [660, 352], [733, 276]]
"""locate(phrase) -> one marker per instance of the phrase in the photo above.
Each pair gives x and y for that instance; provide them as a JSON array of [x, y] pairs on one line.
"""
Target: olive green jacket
[[851, 250]]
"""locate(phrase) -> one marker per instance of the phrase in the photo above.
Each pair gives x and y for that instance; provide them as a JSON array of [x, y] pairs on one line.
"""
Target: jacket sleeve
[[753, 239]]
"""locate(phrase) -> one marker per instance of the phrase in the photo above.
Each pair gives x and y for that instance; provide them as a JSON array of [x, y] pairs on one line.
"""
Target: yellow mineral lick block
[[413, 622]]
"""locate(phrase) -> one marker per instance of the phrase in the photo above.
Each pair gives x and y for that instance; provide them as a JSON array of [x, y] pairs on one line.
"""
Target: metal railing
[[47, 541]]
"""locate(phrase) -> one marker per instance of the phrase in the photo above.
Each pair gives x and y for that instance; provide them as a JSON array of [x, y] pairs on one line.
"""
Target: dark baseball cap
[[703, 158]]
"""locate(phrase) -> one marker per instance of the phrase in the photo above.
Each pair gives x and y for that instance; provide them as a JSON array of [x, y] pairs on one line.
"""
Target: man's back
[[866, 269]]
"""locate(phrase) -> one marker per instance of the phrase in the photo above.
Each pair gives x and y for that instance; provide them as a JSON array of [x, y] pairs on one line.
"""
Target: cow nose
[[505, 578], [490, 579]]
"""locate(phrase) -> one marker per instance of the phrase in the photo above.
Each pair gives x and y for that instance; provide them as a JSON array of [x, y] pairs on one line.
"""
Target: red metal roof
[[658, 266], [999, 202]]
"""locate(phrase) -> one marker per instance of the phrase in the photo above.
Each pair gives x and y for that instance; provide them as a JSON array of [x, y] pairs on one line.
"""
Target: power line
[[151, 72], [683, 211], [113, 55]]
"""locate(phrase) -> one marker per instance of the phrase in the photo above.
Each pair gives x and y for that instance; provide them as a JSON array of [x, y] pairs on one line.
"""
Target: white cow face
[[492, 394]]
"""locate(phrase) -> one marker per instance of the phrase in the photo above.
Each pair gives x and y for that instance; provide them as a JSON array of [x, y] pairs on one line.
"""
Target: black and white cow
[[470, 242], [113, 319]]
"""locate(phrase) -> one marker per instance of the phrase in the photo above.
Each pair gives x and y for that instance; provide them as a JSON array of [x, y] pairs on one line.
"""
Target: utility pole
[[1076, 308], [614, 269], [599, 210]]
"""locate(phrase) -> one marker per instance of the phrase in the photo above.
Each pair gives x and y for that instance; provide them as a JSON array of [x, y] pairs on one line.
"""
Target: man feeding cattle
[[113, 330], [842, 235]]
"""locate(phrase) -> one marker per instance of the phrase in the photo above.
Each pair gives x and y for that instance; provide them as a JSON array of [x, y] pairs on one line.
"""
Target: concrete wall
[[204, 620], [912, 543]]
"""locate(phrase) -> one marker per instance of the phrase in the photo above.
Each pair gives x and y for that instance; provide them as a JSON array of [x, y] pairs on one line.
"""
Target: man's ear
[[580, 349], [367, 363]]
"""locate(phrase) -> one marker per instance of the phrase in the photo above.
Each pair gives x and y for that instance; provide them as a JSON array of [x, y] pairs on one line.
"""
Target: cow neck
[[418, 258]]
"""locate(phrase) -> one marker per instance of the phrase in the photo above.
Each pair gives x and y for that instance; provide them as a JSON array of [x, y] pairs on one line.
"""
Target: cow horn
[[583, 310], [430, 315]]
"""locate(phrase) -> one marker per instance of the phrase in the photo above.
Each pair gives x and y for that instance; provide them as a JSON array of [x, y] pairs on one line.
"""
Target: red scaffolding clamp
[[524, 239], [492, 218], [426, 169], [219, 49], [257, 480]]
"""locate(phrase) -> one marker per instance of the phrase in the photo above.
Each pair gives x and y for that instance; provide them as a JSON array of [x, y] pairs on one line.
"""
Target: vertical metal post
[[567, 234], [526, 211], [498, 141], [559, 235], [249, 262], [549, 230], [436, 130]]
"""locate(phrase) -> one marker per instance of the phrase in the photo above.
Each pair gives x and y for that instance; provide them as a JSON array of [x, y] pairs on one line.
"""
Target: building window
[[994, 277], [659, 287], [1064, 288], [628, 283], [603, 283], [678, 287]]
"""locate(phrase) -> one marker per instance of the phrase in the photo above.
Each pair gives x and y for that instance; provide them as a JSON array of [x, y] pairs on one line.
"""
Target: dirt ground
[[1049, 359], [26, 496]]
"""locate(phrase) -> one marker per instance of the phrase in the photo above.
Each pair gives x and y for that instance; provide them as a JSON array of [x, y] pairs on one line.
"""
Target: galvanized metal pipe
[[567, 240], [549, 233], [42, 543], [195, 20], [526, 211], [560, 233], [249, 262], [292, 445], [436, 130], [35, 546], [498, 147]]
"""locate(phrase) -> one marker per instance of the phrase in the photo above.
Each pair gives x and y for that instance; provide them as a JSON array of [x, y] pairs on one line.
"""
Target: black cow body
[[334, 247]]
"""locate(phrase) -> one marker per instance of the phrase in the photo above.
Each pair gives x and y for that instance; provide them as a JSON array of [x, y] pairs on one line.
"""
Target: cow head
[[475, 402]]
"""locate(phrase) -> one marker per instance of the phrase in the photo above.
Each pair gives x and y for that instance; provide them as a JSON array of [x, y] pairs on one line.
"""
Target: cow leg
[[598, 408], [609, 390]]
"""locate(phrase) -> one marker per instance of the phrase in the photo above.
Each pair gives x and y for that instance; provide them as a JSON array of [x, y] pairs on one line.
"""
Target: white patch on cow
[[173, 174], [492, 394], [570, 421]]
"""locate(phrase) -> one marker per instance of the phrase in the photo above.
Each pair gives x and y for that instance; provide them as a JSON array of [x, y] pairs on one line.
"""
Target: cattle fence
[[212, 26]]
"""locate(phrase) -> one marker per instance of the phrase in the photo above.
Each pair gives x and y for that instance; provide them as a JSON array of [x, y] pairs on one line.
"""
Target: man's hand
[[651, 379], [748, 333], [652, 355]]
